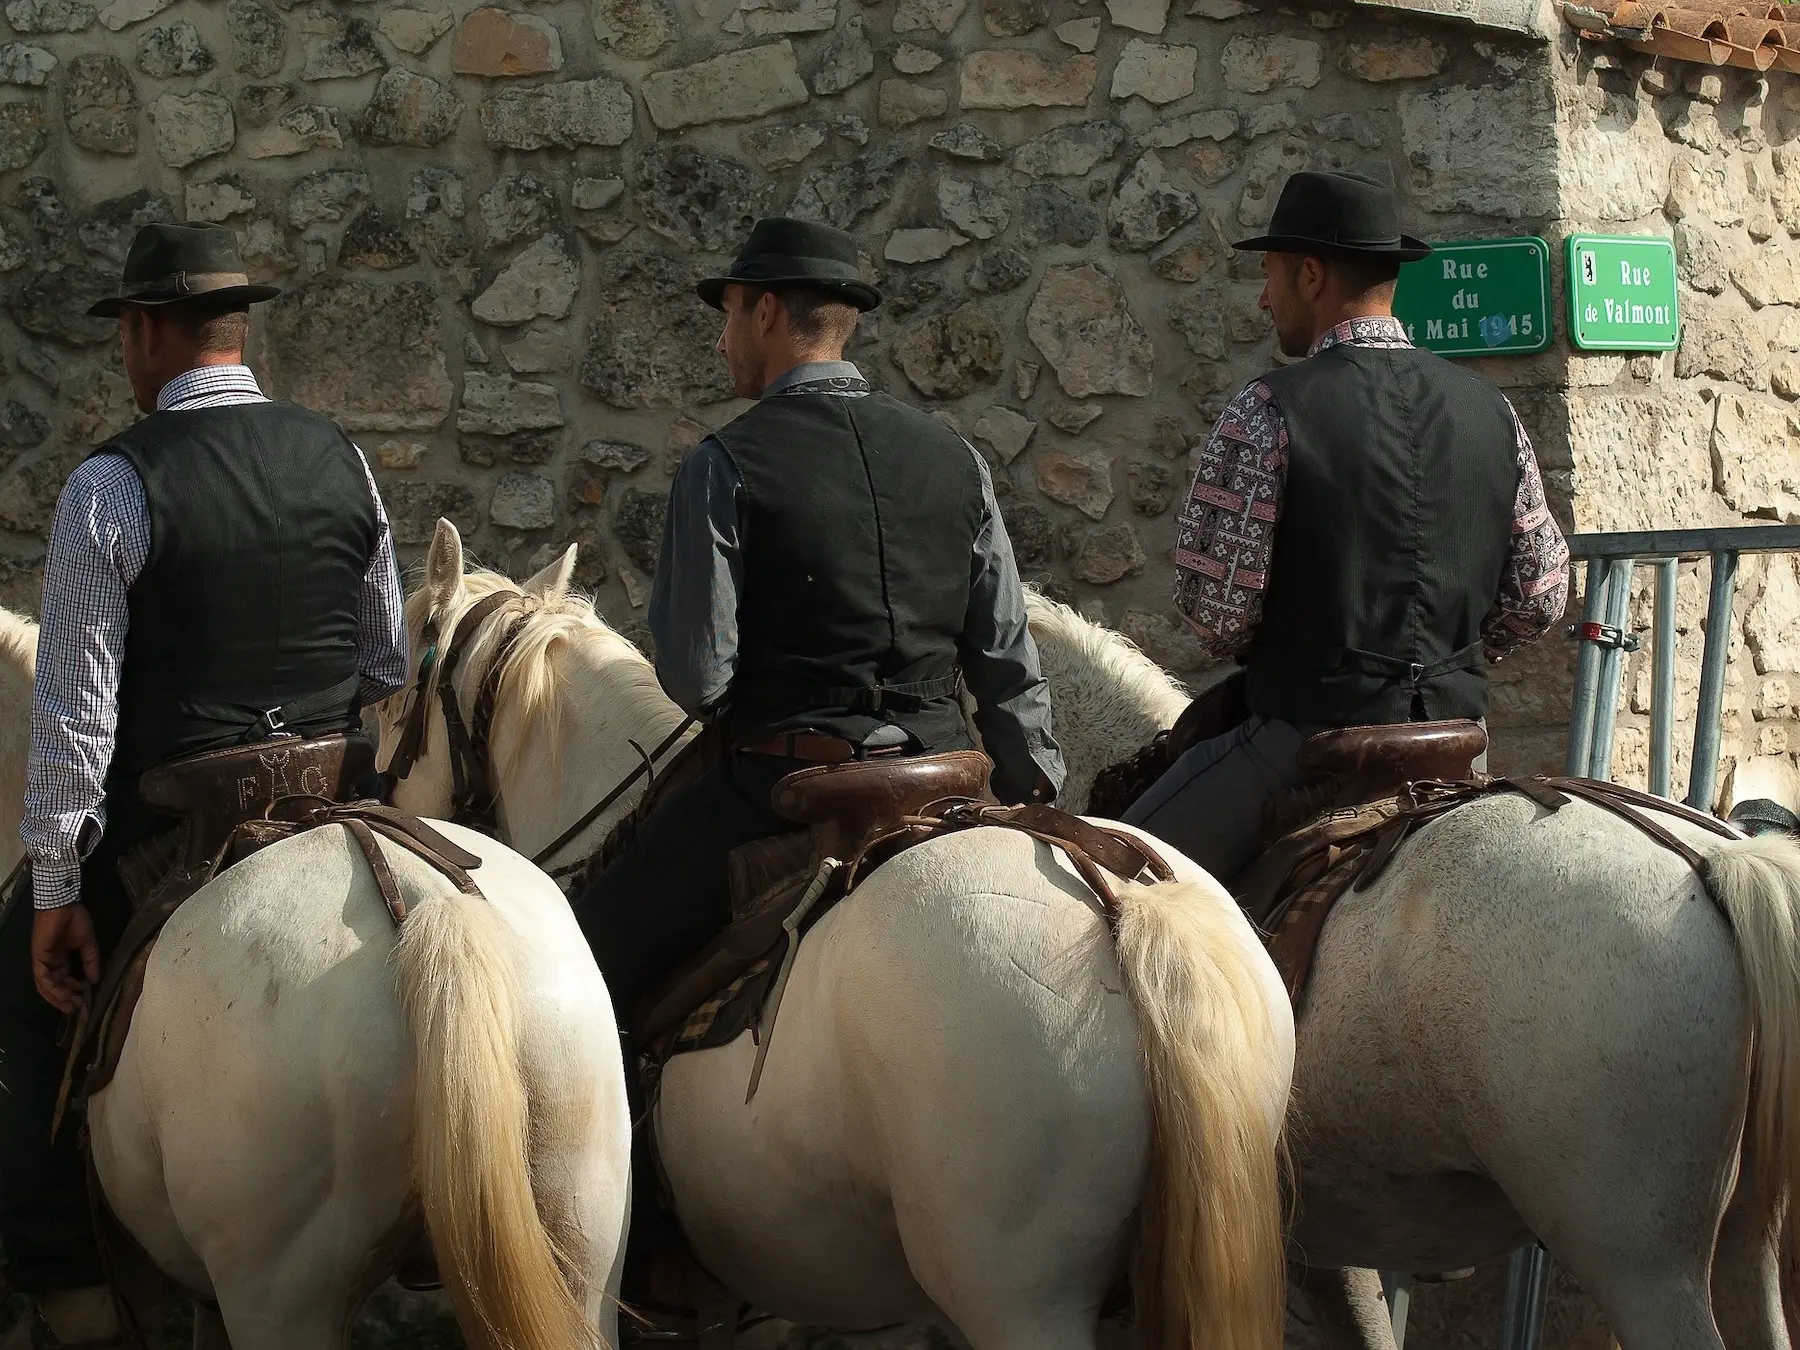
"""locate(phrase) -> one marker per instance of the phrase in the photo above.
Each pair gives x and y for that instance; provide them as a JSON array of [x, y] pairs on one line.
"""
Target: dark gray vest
[[1396, 523], [261, 530], [860, 524]]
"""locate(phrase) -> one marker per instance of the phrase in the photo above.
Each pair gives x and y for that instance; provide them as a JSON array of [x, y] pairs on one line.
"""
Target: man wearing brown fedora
[[219, 573], [1366, 531]]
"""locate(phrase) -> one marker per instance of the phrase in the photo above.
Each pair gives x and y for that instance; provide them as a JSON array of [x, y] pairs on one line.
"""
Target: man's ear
[[1312, 276], [769, 312]]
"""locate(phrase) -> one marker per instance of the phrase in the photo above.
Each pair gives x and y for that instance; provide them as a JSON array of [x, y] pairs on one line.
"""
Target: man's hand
[[55, 933]]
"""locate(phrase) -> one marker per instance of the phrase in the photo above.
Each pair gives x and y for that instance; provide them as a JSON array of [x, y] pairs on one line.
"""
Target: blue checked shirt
[[98, 544]]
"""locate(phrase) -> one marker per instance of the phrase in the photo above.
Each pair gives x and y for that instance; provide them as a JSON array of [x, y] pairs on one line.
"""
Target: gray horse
[[1533, 1022]]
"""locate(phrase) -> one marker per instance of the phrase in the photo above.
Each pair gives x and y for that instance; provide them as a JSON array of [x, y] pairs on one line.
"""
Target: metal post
[[1612, 665], [1398, 1288], [1662, 679], [1527, 1289], [1719, 603], [1587, 672]]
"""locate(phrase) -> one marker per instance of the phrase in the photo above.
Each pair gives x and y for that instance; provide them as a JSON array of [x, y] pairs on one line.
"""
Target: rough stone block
[[498, 405], [310, 126], [634, 29], [1081, 481], [541, 282], [1069, 151], [649, 344], [1257, 64], [901, 103], [1756, 457], [1003, 431], [1147, 207], [100, 108], [49, 16], [918, 246], [495, 42], [567, 114], [1018, 79], [192, 127], [731, 88], [523, 501], [948, 356], [1491, 151], [1401, 59], [1154, 72], [413, 30], [1080, 321]]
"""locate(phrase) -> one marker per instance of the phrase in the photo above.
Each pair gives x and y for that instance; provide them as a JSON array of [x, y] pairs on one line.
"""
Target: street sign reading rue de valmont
[[1478, 297], [1623, 293]]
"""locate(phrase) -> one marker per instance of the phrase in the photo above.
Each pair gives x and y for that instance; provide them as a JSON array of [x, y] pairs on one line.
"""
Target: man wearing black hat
[[830, 561], [218, 573], [1366, 531]]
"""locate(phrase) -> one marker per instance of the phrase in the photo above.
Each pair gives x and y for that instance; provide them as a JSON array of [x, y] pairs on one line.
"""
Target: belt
[[818, 747]]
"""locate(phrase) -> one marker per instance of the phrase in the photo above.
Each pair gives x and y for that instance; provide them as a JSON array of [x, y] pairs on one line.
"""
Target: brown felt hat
[[185, 263]]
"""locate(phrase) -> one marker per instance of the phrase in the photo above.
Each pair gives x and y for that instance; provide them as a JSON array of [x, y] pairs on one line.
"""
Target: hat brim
[[1407, 249], [225, 297], [858, 293]]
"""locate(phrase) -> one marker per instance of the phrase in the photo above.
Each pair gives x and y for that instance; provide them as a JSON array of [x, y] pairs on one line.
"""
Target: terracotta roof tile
[[1712, 32]]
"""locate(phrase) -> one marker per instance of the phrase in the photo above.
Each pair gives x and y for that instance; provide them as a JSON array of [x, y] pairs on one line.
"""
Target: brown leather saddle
[[843, 807], [1357, 777]]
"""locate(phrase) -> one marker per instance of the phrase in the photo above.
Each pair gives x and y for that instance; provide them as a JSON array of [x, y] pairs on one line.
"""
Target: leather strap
[[818, 747], [646, 766]]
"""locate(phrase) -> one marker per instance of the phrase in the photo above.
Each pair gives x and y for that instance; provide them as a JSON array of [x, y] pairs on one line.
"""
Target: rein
[[474, 796]]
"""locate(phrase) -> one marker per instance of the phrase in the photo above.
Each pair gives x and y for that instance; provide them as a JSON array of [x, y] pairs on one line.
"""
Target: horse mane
[[1099, 657], [530, 683]]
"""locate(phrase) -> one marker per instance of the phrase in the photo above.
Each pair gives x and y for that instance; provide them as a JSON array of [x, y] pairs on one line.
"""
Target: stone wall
[[488, 219], [1705, 435]]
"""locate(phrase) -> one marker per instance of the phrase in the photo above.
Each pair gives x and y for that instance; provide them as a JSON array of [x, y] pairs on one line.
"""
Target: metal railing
[[1605, 638]]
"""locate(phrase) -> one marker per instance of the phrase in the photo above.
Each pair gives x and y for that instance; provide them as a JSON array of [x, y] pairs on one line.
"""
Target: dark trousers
[[45, 1227], [669, 894]]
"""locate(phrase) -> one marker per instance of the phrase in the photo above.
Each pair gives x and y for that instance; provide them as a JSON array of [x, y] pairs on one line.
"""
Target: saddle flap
[[1380, 759], [847, 805], [764, 867]]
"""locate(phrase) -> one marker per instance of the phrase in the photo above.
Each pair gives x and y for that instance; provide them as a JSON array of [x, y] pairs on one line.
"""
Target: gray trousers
[[1210, 802]]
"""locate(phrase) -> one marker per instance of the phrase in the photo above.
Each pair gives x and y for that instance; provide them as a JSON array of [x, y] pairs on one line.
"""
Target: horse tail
[[1757, 883], [459, 987], [1208, 1269]]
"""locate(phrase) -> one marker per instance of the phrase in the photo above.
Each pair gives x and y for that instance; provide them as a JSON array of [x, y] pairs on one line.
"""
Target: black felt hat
[[183, 264], [782, 251], [1324, 212]]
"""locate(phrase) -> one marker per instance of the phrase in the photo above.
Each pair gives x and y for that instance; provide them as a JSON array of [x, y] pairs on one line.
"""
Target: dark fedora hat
[[1325, 212], [782, 251], [182, 264]]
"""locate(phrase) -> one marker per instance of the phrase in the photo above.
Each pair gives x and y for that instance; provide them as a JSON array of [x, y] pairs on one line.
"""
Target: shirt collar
[[1374, 330], [812, 372], [208, 382]]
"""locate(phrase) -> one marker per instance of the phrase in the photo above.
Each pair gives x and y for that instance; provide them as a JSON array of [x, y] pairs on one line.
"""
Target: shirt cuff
[[55, 885]]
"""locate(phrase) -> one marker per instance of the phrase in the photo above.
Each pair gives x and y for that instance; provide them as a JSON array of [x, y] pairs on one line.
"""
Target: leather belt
[[818, 748]]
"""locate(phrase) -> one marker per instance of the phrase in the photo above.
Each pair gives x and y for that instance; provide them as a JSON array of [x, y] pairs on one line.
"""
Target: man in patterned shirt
[[1366, 531], [219, 572]]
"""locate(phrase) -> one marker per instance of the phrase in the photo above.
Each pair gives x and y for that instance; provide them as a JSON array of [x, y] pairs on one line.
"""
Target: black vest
[[1396, 523], [261, 530], [859, 528]]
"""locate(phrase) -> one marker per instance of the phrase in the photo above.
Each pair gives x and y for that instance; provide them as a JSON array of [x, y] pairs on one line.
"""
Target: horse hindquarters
[[978, 986], [256, 1139]]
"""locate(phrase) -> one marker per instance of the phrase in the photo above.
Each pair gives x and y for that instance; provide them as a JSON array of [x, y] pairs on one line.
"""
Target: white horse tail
[[459, 986], [1208, 1271], [1757, 883]]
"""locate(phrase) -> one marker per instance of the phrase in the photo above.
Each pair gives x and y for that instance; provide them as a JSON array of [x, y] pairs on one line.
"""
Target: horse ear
[[552, 584], [444, 565]]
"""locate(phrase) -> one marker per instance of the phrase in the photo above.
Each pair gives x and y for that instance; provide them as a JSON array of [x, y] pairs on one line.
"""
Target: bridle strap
[[471, 791]]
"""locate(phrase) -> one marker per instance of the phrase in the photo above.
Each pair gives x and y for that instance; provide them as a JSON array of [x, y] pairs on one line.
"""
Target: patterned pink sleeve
[[1227, 525], [1534, 588]]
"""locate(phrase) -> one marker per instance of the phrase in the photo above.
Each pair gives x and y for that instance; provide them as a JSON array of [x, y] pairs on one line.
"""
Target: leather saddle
[[1359, 776], [845, 808]]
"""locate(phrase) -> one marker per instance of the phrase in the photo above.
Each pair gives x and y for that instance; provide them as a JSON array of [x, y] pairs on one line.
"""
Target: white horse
[[975, 1097], [302, 1085], [18, 666], [1532, 1023]]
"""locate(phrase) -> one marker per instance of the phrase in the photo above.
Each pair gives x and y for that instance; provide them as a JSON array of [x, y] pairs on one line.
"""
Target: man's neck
[[202, 362]]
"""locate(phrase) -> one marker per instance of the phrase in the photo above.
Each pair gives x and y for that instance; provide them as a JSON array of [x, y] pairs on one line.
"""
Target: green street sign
[[1622, 293], [1478, 297]]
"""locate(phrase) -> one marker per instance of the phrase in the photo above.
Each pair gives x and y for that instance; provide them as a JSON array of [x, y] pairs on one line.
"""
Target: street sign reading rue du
[[1478, 297], [1622, 293]]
